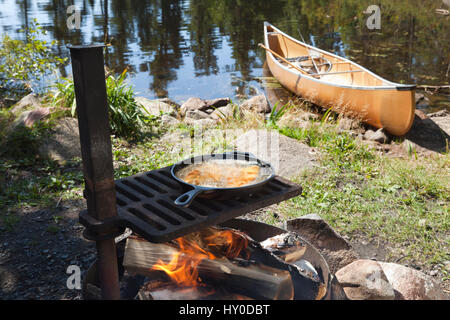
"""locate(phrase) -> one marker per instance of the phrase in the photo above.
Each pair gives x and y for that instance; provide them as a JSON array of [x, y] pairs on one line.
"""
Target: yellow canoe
[[334, 82]]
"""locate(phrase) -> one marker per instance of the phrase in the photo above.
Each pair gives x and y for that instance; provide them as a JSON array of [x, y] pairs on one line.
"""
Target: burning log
[[226, 258], [163, 290], [238, 276]]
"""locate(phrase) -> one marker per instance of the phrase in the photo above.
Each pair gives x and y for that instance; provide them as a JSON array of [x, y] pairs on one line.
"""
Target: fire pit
[[131, 285]]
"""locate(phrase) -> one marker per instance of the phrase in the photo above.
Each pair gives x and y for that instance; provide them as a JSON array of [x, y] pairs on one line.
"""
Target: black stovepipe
[[96, 151]]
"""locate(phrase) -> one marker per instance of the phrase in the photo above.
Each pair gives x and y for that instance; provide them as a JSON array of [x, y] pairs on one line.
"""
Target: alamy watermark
[[74, 280], [74, 17], [374, 20]]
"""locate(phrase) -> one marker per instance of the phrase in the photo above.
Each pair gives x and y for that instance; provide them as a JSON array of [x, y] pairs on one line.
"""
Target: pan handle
[[186, 198]]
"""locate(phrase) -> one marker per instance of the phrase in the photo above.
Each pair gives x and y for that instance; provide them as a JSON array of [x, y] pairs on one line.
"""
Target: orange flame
[[183, 266]]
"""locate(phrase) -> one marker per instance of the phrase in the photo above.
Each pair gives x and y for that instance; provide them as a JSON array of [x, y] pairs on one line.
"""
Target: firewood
[[241, 277], [254, 262], [163, 290]]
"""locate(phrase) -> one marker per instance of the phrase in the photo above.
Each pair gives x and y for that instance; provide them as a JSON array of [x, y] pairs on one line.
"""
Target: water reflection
[[208, 48]]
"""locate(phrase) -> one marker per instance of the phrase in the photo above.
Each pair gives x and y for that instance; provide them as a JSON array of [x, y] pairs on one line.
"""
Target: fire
[[183, 268]]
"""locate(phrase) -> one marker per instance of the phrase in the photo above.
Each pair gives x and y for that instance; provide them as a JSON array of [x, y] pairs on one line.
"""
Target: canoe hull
[[389, 108]]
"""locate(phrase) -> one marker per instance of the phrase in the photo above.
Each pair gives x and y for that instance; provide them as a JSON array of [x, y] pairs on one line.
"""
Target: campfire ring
[[259, 231]]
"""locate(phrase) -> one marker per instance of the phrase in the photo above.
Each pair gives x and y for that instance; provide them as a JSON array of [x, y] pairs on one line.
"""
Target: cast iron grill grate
[[145, 204]]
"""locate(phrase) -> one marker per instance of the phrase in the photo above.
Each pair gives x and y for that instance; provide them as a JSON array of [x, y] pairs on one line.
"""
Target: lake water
[[209, 48]]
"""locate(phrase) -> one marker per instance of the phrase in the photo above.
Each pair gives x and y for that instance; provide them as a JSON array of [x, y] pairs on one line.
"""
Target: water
[[209, 48]]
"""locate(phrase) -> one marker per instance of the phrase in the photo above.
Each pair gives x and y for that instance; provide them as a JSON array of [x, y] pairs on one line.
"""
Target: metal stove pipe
[[93, 122]]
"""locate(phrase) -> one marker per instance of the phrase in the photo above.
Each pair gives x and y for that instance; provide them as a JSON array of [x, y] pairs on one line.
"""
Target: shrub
[[127, 118], [22, 62]]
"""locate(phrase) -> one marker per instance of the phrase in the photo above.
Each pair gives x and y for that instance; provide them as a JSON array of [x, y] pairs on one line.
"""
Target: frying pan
[[266, 173]]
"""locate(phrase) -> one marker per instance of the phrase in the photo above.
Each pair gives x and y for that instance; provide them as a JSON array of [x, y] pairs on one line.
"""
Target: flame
[[183, 266]]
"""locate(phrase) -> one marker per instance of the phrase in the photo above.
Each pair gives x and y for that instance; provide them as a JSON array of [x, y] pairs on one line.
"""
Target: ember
[[183, 267], [221, 263]]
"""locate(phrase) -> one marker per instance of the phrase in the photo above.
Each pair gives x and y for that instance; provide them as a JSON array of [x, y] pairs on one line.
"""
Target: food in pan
[[221, 175]]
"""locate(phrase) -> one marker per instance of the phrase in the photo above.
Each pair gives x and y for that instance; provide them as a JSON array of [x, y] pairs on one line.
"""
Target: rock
[[377, 136], [348, 124], [169, 120], [223, 112], [155, 107], [197, 114], [30, 101], [30, 117], [411, 284], [200, 122], [365, 280], [429, 134], [288, 156], [217, 103], [257, 104], [193, 104], [332, 246], [64, 143], [170, 102], [7, 102], [441, 113]]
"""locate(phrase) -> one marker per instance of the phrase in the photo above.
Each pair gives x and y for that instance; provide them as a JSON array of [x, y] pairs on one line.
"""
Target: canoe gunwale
[[390, 86]]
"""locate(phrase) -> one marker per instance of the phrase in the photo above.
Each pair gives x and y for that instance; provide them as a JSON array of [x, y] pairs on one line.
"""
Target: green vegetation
[[23, 62], [400, 202], [127, 118]]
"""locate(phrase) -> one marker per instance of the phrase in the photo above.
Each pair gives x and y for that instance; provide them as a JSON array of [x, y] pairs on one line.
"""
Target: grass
[[403, 202]]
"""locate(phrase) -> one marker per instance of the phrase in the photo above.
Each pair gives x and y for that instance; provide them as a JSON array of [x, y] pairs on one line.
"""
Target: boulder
[[429, 134], [365, 280], [7, 102], [257, 104], [223, 112], [170, 102], [155, 107], [288, 156], [332, 246], [64, 143], [411, 284], [30, 101], [200, 122], [377, 136], [197, 114], [193, 104], [217, 103], [30, 117], [169, 120]]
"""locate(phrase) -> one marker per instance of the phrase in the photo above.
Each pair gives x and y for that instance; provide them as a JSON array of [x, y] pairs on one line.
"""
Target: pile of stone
[[362, 278]]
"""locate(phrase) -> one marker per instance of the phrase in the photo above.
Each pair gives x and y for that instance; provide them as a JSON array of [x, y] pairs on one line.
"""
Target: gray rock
[[30, 101], [347, 124], [193, 104], [441, 113], [257, 104], [170, 102], [411, 284], [155, 107], [377, 136], [217, 103], [64, 143], [288, 156], [200, 122], [365, 280], [197, 114], [223, 112], [30, 117], [333, 247], [169, 120]]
